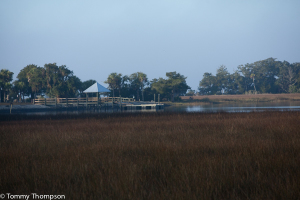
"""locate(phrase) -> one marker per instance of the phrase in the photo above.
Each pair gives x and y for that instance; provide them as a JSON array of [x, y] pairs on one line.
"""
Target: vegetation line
[[265, 76]]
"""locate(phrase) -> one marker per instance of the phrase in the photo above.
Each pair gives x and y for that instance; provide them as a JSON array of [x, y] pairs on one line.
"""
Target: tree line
[[60, 82], [265, 76], [52, 80], [138, 86]]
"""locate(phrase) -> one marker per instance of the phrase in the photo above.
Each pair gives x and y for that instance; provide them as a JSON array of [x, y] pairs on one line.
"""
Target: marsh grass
[[242, 98], [153, 156]]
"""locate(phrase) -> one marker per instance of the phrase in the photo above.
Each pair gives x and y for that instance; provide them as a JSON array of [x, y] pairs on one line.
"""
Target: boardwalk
[[108, 102]]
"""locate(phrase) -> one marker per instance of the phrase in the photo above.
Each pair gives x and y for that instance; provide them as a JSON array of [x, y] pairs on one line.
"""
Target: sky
[[94, 38]]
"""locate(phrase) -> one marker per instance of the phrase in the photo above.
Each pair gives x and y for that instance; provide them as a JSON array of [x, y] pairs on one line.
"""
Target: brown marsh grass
[[244, 98], [153, 156]]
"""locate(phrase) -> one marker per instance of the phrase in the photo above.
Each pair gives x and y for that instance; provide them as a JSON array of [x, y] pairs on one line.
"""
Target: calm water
[[222, 107], [239, 107]]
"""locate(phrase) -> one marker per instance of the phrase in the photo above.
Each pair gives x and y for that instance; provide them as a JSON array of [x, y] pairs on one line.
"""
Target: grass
[[152, 156], [241, 98]]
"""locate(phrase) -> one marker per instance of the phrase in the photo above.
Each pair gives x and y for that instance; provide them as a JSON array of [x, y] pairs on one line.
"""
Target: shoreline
[[29, 108], [240, 98], [18, 108]]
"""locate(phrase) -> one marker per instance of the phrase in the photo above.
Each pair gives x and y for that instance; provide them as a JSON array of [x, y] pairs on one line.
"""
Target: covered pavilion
[[96, 88]]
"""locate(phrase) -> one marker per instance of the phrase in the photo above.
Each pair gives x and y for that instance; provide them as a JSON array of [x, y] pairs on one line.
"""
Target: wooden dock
[[94, 102]]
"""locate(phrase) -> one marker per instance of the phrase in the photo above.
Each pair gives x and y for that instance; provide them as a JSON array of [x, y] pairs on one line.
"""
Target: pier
[[126, 104]]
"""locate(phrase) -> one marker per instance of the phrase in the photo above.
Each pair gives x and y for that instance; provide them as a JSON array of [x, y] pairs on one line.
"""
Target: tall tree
[[177, 84], [6, 77], [208, 84], [138, 81], [23, 79], [236, 84], [86, 84], [288, 77], [264, 76], [246, 71], [126, 90], [74, 85], [114, 81], [159, 86], [222, 79], [172, 87], [265, 72], [36, 79], [58, 78], [18, 88], [51, 77]]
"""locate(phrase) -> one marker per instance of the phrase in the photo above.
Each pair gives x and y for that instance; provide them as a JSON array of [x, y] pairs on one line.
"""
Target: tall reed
[[153, 156]]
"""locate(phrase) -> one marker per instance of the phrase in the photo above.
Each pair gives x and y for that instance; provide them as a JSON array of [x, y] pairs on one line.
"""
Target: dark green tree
[[176, 83], [288, 77], [18, 89], [208, 84], [138, 82], [222, 79], [36, 79], [172, 87], [159, 86], [114, 81], [126, 90], [236, 83], [23, 80], [6, 77], [246, 71], [86, 84], [74, 85], [265, 76], [60, 80], [265, 73]]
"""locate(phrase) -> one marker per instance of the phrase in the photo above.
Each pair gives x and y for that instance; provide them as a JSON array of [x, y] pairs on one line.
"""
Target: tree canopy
[[114, 81], [265, 76], [53, 80], [172, 87], [6, 77]]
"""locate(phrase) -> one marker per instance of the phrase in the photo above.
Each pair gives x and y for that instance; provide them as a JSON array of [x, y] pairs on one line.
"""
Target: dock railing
[[121, 103], [80, 101]]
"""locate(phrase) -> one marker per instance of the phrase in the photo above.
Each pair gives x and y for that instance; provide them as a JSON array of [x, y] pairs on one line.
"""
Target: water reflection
[[86, 111], [221, 107]]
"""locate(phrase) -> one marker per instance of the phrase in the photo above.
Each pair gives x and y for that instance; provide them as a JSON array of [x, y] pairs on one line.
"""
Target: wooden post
[[67, 102], [154, 98], [120, 103], [77, 103], [55, 102], [158, 98], [86, 100], [97, 100]]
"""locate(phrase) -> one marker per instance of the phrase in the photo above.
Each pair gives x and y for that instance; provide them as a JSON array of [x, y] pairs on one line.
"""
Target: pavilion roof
[[96, 87]]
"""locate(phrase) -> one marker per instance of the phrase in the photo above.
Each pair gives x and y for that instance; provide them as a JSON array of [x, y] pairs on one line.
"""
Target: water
[[238, 107], [220, 107]]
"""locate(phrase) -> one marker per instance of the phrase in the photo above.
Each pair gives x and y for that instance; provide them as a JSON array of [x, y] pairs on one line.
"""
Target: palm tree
[[252, 76], [114, 81], [5, 79]]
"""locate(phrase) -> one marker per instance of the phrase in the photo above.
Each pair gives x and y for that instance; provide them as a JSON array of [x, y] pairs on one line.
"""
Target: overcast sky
[[96, 38]]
